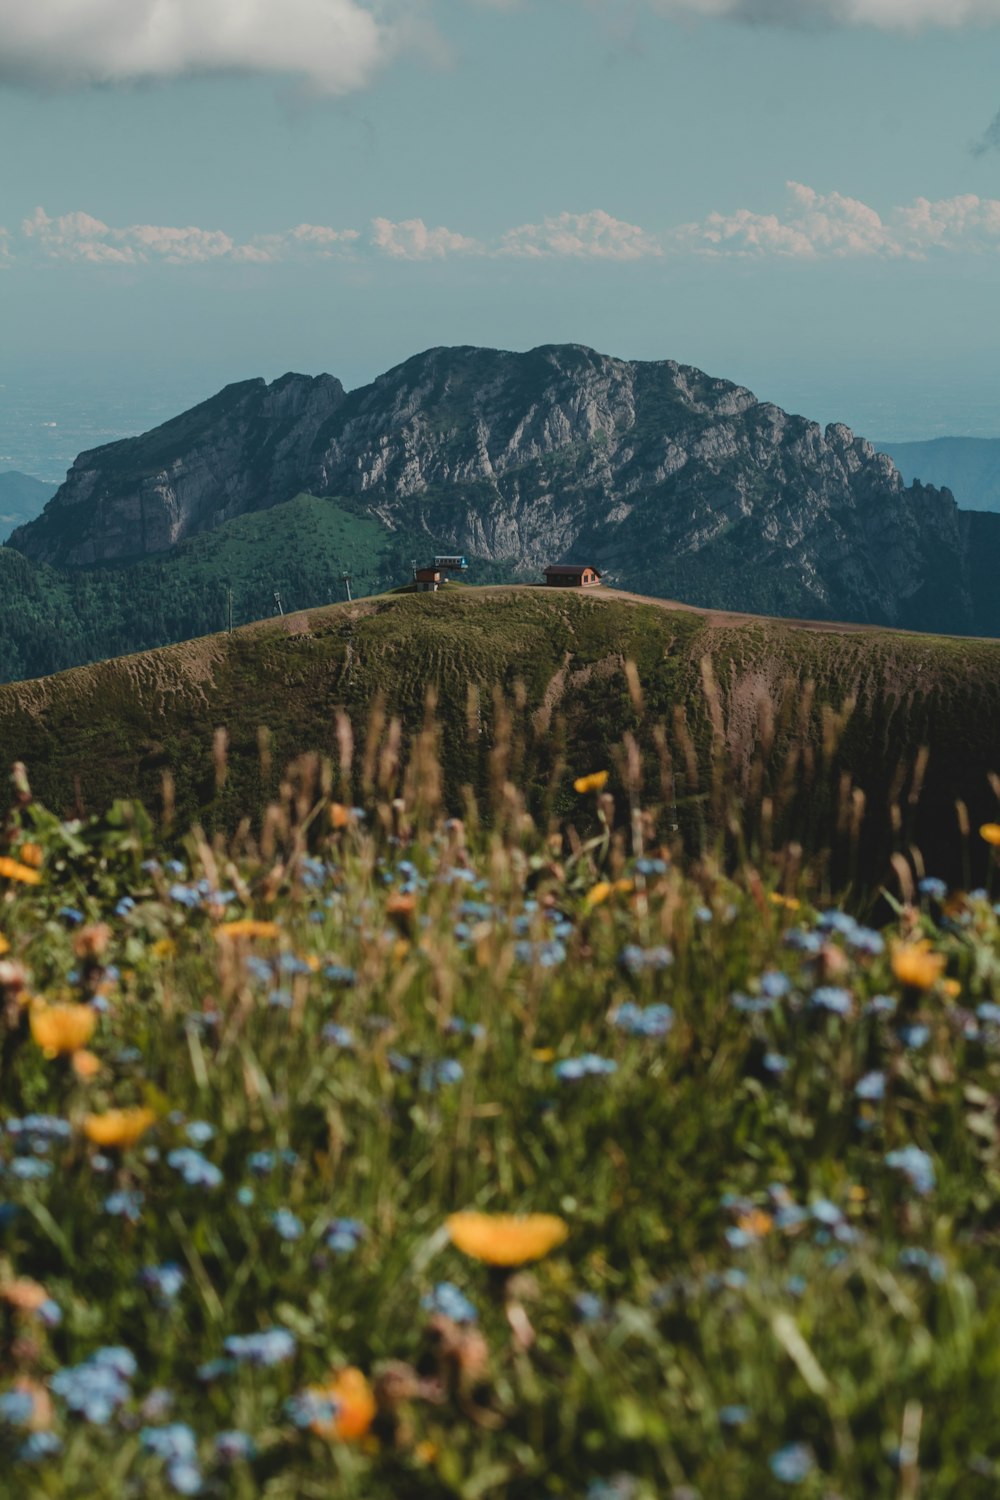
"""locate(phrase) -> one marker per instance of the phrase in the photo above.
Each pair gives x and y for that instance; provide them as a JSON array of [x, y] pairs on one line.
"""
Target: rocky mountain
[[672, 482], [21, 499]]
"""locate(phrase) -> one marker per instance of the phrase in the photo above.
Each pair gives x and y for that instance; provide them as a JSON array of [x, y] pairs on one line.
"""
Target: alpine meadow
[[499, 750]]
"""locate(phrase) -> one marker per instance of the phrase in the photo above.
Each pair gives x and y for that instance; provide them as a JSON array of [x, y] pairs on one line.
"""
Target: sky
[[800, 195]]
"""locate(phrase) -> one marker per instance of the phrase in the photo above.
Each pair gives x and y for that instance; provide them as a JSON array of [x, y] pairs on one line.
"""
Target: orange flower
[[506, 1239], [247, 927], [340, 815], [353, 1403], [789, 903], [952, 988], [913, 964], [61, 1028], [595, 782], [118, 1127], [85, 1065], [598, 893], [15, 871], [31, 854], [991, 833], [23, 1294], [756, 1223], [4, 945]]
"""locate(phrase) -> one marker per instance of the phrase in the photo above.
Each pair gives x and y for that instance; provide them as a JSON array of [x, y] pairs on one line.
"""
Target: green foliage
[[747, 1265]]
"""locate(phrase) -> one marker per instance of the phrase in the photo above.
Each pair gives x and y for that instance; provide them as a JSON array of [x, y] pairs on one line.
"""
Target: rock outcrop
[[674, 483]]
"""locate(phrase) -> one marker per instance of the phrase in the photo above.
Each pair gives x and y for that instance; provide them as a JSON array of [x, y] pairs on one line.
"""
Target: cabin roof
[[569, 568]]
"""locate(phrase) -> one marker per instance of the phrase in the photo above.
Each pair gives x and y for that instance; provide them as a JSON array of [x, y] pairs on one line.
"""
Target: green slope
[[53, 619], [558, 659]]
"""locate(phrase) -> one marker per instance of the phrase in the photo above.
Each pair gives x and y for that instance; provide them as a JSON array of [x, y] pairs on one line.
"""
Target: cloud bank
[[814, 227], [335, 46], [819, 226]]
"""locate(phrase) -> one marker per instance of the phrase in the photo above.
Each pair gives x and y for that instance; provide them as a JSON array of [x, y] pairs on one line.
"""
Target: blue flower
[[289, 1227], [776, 1064], [832, 998], [96, 1389], [166, 1282], [571, 1069], [871, 1087], [70, 915], [345, 1235], [444, 1070], [916, 1259], [649, 1021], [308, 1407], [125, 1204], [235, 1447], [17, 1408], [933, 887], [194, 1168], [638, 960], [588, 1307], [915, 1036], [450, 1302], [38, 1447], [339, 1036], [340, 974], [793, 1463], [173, 1442], [915, 1165], [184, 1477], [271, 1347], [734, 1416]]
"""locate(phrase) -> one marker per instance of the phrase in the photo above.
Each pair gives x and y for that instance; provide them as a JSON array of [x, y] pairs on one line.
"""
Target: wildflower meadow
[[394, 1154]]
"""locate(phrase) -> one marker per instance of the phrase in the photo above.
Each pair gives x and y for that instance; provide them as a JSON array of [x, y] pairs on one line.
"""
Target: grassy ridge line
[[112, 729]]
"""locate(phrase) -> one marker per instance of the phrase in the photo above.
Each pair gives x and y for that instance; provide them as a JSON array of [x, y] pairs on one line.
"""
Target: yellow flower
[[163, 948], [913, 964], [506, 1239], [31, 854], [85, 1065], [595, 782], [118, 1127], [544, 1054], [4, 945], [247, 927], [599, 893], [353, 1402], [991, 833], [952, 988], [15, 871], [61, 1028], [789, 903]]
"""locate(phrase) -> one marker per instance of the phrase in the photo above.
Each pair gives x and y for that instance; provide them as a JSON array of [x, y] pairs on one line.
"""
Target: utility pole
[[277, 603], [346, 581]]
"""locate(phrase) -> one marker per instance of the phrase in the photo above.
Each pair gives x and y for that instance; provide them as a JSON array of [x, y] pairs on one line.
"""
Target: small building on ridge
[[427, 580], [571, 576]]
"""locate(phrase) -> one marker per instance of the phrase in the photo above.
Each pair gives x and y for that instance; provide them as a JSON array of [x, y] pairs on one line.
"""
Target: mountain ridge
[[677, 483]]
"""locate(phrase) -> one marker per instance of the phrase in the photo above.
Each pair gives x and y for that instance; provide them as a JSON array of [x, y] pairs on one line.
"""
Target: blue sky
[[327, 184]]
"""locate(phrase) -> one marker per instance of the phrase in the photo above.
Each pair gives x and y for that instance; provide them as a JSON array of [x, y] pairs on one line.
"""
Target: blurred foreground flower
[[506, 1239], [12, 869], [913, 964], [990, 832], [118, 1127], [247, 927], [60, 1029], [595, 782], [351, 1406]]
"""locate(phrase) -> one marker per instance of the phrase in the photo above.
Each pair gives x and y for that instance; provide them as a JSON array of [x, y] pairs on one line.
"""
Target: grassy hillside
[[776, 721]]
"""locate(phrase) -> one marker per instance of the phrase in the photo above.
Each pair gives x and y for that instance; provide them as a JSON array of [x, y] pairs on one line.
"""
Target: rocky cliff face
[[672, 482]]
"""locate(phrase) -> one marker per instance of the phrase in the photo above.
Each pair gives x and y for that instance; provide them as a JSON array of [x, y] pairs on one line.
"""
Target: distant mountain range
[[969, 467], [21, 499], [672, 482]]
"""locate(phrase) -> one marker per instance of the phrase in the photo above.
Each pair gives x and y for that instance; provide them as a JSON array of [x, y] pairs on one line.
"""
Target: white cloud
[[887, 15], [411, 239], [819, 225], [333, 45], [81, 237], [591, 236]]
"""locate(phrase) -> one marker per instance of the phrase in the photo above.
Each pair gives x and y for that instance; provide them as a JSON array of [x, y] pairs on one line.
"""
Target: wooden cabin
[[427, 580], [571, 576]]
